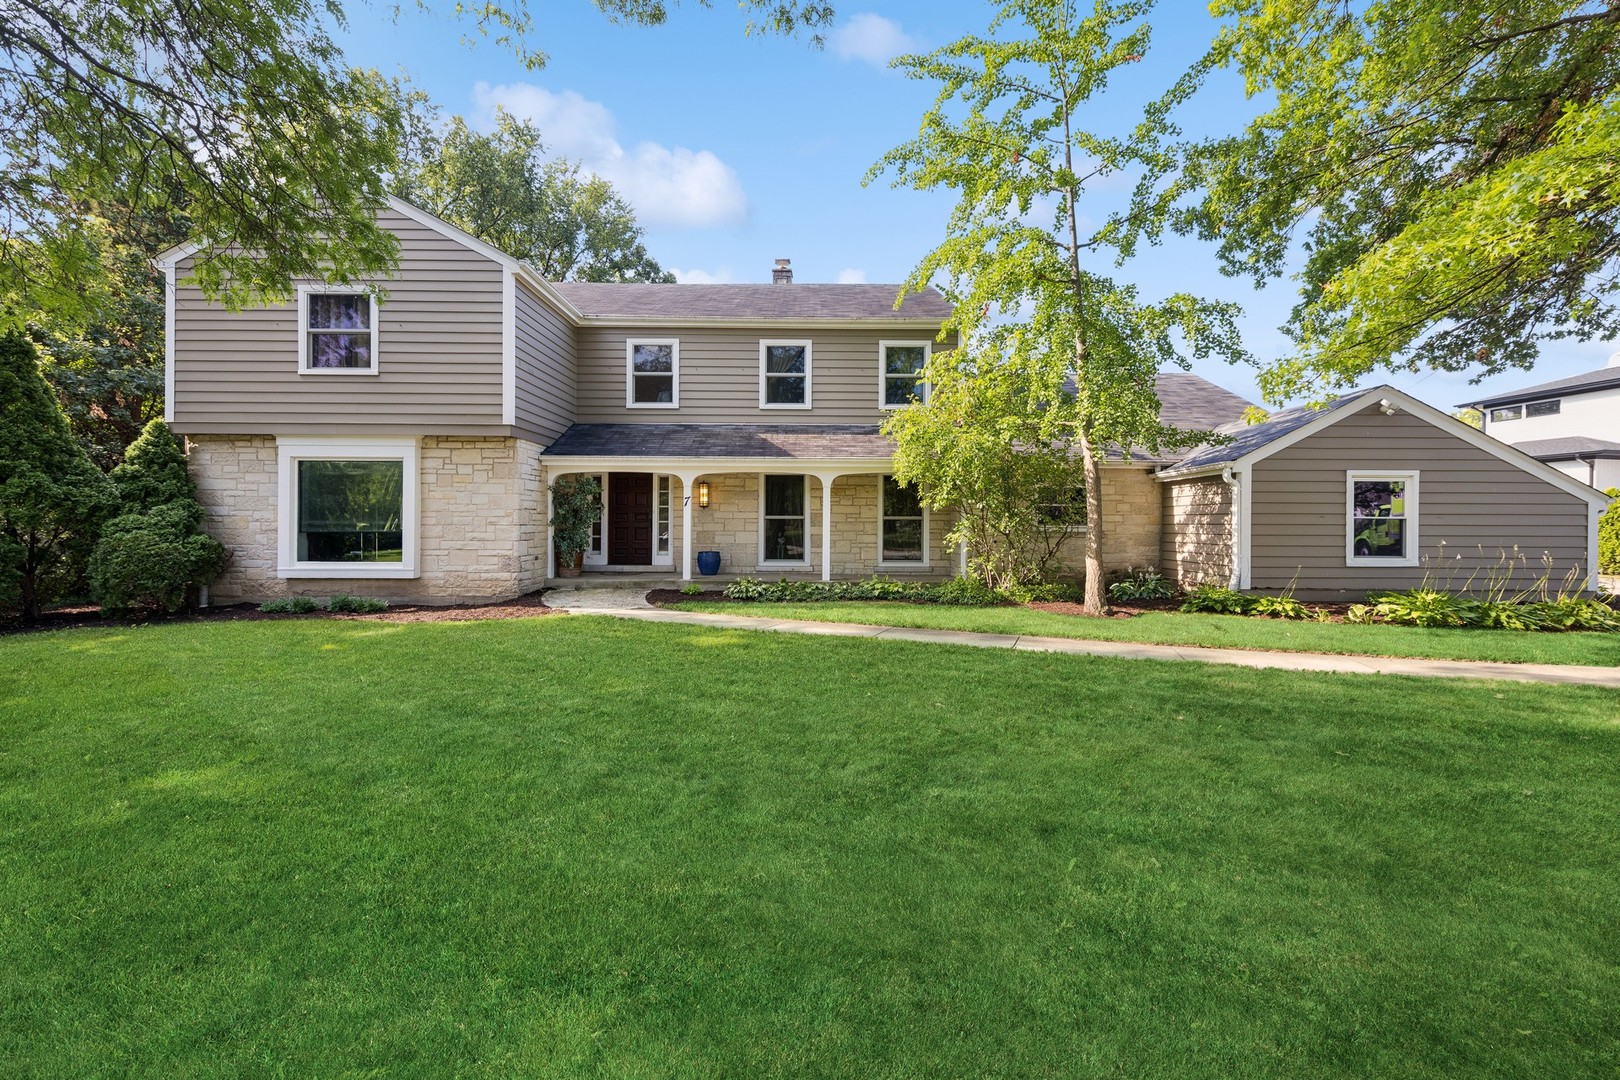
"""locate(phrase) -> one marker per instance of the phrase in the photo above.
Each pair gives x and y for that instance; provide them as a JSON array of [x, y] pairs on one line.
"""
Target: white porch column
[[826, 523], [687, 480]]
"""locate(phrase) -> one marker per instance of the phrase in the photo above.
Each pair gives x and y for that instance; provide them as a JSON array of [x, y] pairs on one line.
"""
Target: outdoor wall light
[[703, 493]]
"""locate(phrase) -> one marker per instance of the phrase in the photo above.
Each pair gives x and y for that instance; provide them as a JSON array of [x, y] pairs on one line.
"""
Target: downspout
[[1235, 487]]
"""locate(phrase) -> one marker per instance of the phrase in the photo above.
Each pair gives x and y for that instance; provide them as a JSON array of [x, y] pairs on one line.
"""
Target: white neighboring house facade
[[1572, 424]]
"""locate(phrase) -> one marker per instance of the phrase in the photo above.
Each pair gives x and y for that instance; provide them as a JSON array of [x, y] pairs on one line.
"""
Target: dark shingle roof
[[1190, 402], [787, 441], [783, 302], [1572, 447], [1247, 438], [1586, 382]]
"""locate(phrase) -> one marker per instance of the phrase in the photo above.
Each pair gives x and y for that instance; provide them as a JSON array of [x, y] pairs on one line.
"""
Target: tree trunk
[[1096, 592]]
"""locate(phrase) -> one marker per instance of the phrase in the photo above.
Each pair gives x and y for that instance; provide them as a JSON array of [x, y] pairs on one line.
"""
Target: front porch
[[830, 524]]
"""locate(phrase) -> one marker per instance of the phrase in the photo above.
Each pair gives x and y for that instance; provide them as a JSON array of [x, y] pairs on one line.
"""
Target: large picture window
[[1382, 519], [652, 375], [351, 511], [904, 536], [902, 363], [347, 507], [784, 374], [338, 332], [783, 520]]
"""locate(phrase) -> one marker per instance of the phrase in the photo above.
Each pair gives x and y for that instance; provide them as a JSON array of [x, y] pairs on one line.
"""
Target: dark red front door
[[629, 518]]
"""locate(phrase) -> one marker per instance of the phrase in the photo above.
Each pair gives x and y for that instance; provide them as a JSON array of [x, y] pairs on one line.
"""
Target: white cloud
[[667, 186], [851, 277], [721, 276], [871, 38]]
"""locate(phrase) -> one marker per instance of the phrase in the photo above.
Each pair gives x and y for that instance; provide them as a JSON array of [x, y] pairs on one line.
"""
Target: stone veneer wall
[[1131, 511], [482, 531]]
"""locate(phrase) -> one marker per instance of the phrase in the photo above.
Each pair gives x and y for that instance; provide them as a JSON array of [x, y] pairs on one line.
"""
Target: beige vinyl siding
[[719, 375], [1478, 504], [438, 348], [1196, 544], [545, 368]]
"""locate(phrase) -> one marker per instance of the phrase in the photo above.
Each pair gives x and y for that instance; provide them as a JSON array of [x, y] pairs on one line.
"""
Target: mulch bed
[[524, 607]]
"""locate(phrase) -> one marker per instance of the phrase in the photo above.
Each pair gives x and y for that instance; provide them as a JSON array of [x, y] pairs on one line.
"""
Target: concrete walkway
[[1564, 674]]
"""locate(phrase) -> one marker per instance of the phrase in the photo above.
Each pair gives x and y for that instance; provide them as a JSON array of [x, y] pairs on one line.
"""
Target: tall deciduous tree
[[243, 111], [1005, 134], [107, 366], [1453, 168], [566, 223], [51, 496]]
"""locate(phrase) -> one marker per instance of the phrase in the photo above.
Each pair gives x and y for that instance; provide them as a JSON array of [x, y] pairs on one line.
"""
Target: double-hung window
[[784, 374], [904, 536], [652, 374], [1381, 519], [901, 382], [337, 332], [784, 525], [347, 507]]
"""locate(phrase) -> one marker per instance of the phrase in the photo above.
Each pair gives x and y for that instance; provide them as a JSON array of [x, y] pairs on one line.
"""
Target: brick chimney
[[783, 274]]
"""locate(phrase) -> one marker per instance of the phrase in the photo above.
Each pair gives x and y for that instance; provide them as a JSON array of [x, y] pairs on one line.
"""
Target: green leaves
[[1452, 172], [566, 223]]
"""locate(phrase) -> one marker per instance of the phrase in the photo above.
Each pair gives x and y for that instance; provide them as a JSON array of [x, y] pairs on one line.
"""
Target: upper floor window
[[1507, 412], [1543, 408], [901, 374], [784, 374], [652, 374], [338, 332]]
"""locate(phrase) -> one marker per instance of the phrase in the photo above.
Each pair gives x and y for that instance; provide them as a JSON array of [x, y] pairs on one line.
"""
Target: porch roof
[[810, 442]]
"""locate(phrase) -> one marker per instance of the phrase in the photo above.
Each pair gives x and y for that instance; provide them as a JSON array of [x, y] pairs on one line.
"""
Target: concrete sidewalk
[[1562, 674]]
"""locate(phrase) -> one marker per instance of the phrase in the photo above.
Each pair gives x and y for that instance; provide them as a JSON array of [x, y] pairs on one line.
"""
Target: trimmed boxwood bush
[[152, 561]]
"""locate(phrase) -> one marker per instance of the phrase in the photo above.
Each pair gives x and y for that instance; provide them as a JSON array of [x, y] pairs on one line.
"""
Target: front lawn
[[1216, 631], [586, 847]]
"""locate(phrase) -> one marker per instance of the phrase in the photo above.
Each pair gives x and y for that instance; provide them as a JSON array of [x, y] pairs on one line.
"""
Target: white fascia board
[[508, 346], [168, 341], [172, 258]]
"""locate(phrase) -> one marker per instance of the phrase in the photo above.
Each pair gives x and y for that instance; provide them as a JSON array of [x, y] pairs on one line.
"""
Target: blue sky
[[739, 150]]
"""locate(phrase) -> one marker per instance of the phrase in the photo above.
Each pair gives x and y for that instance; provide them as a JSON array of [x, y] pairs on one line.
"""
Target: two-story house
[[404, 444], [1572, 424]]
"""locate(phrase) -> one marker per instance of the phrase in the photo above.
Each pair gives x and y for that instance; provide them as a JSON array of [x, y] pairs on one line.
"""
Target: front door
[[630, 519]]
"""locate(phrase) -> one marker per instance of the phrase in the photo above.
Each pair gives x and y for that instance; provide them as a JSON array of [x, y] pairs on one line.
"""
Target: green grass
[[583, 847], [1216, 631]]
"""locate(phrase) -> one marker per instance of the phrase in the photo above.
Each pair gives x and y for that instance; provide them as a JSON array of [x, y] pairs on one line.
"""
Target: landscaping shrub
[[1609, 535], [344, 604], [966, 592], [154, 555], [1279, 607], [1146, 584], [150, 562], [1217, 600], [290, 605]]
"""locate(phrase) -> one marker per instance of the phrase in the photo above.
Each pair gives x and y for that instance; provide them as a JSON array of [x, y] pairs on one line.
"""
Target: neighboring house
[[1572, 424], [404, 446]]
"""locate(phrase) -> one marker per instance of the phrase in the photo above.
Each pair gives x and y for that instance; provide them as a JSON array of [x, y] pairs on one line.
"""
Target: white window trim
[[901, 564], [883, 371], [290, 451], [630, 401], [305, 290], [763, 561], [1410, 517], [764, 378]]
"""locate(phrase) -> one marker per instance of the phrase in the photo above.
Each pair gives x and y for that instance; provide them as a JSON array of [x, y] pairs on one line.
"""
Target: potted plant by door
[[576, 505]]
